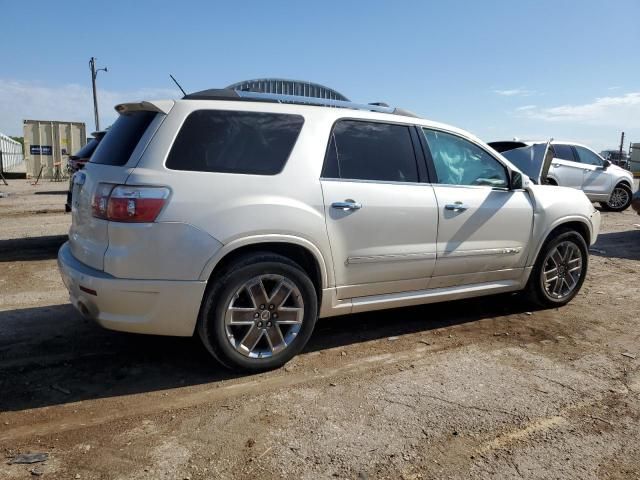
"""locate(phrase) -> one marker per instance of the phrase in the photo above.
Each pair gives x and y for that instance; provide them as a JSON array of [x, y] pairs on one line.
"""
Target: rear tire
[[556, 279], [259, 313], [619, 200]]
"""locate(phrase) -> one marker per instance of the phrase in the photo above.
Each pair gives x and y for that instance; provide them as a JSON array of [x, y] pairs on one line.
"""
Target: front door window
[[459, 162]]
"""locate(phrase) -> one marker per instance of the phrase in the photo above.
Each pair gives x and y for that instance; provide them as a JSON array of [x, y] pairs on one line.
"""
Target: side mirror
[[606, 164], [516, 181]]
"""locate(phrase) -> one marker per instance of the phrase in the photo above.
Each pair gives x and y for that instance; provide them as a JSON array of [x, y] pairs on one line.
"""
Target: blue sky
[[531, 69]]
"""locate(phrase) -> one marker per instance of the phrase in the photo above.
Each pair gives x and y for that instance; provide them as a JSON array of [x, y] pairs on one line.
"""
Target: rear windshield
[[87, 150], [235, 142], [120, 141]]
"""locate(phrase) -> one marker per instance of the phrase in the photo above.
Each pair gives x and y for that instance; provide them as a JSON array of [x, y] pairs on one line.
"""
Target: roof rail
[[241, 95], [324, 102]]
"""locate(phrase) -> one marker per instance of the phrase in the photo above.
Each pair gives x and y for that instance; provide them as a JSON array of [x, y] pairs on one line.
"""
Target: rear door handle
[[456, 207], [555, 164], [346, 205]]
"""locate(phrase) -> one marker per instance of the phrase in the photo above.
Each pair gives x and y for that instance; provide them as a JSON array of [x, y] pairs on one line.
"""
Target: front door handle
[[555, 164], [346, 205], [456, 207]]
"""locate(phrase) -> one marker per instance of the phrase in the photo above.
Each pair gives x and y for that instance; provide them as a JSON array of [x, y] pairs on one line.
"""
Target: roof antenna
[[176, 82]]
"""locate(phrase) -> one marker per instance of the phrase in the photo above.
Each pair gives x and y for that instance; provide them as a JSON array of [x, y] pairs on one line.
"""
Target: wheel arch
[[625, 182], [577, 224], [297, 249]]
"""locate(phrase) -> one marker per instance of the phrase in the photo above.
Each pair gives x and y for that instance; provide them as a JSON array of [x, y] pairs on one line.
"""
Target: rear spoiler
[[159, 106]]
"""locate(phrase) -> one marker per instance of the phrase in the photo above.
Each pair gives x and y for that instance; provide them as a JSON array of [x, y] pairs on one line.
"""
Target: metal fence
[[11, 156], [288, 87]]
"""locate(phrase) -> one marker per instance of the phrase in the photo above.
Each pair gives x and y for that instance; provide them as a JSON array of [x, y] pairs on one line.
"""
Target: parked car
[[78, 160], [577, 166], [635, 202], [244, 217]]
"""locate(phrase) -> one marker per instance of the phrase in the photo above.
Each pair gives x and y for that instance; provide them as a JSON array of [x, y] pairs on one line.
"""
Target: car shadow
[[51, 192], [52, 356], [31, 248], [624, 245]]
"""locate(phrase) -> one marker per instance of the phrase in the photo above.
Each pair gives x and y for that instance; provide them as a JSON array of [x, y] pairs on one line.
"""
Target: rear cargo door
[[112, 162]]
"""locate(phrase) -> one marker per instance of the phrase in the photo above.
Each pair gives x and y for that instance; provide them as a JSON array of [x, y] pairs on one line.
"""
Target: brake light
[[100, 200], [123, 203]]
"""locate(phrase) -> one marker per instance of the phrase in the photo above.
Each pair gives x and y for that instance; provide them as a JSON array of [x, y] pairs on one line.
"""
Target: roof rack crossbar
[[325, 102]]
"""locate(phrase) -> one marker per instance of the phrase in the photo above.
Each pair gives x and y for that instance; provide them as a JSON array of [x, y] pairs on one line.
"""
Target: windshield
[[122, 138]]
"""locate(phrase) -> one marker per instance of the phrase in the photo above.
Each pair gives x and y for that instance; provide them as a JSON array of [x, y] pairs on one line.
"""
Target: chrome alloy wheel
[[562, 270], [619, 198], [264, 316]]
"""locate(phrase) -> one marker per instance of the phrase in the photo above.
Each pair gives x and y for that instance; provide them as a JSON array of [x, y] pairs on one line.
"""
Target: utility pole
[[94, 74], [621, 145]]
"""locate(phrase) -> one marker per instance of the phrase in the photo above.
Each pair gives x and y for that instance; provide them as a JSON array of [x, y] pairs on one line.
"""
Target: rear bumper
[[157, 307]]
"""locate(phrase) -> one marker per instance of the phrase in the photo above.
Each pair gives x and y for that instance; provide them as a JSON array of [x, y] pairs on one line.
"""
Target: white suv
[[577, 166], [247, 216]]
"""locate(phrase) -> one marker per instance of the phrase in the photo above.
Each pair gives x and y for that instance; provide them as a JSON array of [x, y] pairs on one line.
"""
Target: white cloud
[[515, 92], [621, 111], [25, 100], [526, 107]]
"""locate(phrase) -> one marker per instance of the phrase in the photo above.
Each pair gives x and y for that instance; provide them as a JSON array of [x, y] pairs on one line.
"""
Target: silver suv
[[577, 166], [247, 216]]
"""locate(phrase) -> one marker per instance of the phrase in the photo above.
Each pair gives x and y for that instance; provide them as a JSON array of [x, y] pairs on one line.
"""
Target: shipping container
[[11, 156], [48, 144], [634, 159]]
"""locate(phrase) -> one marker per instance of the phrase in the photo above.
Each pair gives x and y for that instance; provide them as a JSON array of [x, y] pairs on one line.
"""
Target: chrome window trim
[[382, 182], [477, 187]]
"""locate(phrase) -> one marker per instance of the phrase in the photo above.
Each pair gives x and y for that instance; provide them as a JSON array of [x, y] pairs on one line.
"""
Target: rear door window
[[122, 138], [360, 150], [564, 152], [235, 142]]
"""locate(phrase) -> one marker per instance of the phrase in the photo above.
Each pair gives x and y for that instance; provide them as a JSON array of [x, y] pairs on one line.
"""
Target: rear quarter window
[[122, 138], [235, 142]]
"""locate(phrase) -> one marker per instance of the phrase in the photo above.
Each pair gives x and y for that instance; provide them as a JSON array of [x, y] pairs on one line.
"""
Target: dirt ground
[[471, 389]]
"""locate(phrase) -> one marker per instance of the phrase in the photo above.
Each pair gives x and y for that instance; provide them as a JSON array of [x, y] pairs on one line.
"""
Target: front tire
[[559, 271], [259, 313], [619, 200]]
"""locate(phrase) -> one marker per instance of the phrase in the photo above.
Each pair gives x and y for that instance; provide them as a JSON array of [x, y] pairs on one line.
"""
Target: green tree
[[20, 140]]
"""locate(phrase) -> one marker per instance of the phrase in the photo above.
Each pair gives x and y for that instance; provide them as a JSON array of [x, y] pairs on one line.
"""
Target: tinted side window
[[588, 157], [564, 152], [370, 151], [235, 142], [459, 162], [122, 138]]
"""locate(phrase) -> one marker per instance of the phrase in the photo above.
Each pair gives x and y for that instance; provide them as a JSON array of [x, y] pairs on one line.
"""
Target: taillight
[[100, 200], [122, 203]]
